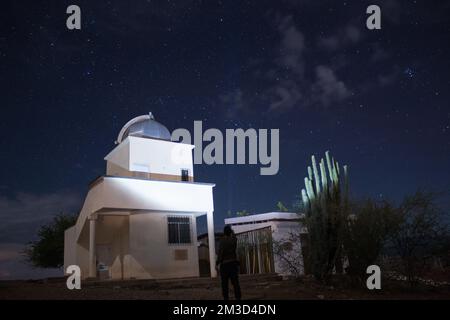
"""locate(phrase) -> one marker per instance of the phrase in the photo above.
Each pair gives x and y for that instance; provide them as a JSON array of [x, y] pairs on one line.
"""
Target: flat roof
[[255, 218], [100, 178]]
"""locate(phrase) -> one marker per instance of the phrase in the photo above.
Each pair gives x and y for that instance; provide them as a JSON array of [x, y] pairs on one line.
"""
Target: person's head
[[227, 231]]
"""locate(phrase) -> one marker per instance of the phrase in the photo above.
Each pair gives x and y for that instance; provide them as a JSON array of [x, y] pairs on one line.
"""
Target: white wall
[[120, 155], [69, 248], [280, 232], [82, 253], [152, 156], [151, 255], [129, 193]]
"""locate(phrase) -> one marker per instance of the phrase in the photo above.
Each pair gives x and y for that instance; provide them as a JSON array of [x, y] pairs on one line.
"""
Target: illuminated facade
[[261, 238], [139, 220]]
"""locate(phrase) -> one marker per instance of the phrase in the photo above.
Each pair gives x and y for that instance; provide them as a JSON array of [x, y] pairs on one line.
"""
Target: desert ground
[[254, 287]]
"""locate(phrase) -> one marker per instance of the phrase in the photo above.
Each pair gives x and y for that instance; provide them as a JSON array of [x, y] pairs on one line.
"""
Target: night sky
[[377, 99]]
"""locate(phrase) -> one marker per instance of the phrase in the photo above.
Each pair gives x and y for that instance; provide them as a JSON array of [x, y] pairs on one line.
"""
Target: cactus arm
[[310, 174], [316, 174], [309, 190], [324, 175], [305, 198], [330, 171]]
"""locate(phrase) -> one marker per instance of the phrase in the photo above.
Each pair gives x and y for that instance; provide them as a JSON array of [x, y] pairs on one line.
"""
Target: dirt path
[[253, 288]]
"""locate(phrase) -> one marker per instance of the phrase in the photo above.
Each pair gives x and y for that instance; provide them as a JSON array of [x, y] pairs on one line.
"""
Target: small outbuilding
[[268, 242]]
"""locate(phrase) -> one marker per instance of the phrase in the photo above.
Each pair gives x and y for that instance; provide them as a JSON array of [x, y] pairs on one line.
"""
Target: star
[[409, 73]]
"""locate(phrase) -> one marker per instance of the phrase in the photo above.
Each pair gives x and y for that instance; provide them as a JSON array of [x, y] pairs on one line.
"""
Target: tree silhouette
[[48, 250]]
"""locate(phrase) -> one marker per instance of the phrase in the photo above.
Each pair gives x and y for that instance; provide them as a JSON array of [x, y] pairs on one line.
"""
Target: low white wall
[[280, 233], [69, 248]]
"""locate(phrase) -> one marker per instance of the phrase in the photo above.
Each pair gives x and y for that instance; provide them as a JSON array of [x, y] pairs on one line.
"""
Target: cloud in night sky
[[287, 91], [22, 216], [297, 78], [292, 80], [292, 46], [343, 37], [328, 88], [286, 95]]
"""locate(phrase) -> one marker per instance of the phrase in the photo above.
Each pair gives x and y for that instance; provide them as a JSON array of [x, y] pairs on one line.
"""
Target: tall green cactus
[[325, 200]]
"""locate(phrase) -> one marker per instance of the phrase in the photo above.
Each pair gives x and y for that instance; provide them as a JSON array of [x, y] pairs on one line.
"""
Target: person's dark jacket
[[227, 250]]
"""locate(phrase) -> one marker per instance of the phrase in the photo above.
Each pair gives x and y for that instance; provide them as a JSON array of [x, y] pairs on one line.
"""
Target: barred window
[[179, 229]]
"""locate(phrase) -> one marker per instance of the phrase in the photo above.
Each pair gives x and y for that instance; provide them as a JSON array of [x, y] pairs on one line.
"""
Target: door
[[104, 260]]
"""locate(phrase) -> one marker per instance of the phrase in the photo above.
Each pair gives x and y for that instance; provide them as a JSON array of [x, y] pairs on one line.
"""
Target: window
[[179, 229], [184, 175]]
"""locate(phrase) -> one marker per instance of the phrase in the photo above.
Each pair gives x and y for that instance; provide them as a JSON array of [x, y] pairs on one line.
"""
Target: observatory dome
[[146, 127]]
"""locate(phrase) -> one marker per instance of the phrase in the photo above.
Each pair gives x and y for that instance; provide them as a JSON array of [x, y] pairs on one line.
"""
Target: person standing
[[228, 263]]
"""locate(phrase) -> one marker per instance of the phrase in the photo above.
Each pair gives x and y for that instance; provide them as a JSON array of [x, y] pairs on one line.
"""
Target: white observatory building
[[139, 220]]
